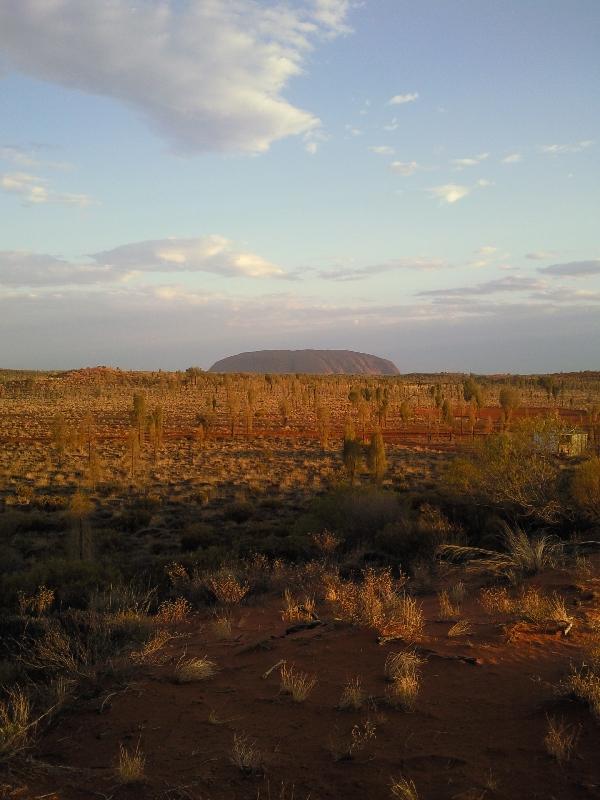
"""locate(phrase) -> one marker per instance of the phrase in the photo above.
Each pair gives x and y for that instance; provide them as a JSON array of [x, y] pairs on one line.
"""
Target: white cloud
[[25, 157], [382, 150], [34, 191], [486, 250], [558, 149], [207, 254], [122, 265], [449, 192], [471, 161], [401, 99], [418, 264], [208, 75], [512, 158], [405, 168]]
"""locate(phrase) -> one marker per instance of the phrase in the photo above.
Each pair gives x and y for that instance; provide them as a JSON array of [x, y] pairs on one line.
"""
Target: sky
[[182, 180]]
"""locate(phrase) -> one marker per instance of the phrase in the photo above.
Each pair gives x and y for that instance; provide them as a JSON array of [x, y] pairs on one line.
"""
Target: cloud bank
[[208, 75]]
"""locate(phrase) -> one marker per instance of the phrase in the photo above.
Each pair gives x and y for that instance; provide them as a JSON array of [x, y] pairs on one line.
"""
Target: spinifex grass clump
[[189, 670], [378, 602], [353, 696], [403, 671], [131, 765], [295, 683]]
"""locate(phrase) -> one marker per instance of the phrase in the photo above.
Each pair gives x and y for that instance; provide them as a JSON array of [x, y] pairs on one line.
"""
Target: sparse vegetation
[[224, 515]]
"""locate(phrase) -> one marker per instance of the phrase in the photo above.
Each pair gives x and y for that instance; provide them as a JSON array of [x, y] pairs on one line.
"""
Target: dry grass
[[344, 747], [560, 739], [377, 602], [404, 789], [448, 609], [534, 606], [295, 683], [151, 650], [397, 664], [131, 765], [296, 610], [496, 600], [245, 754], [226, 588], [403, 671], [222, 627], [172, 612], [190, 670], [521, 555], [585, 685], [16, 725], [353, 696], [460, 628]]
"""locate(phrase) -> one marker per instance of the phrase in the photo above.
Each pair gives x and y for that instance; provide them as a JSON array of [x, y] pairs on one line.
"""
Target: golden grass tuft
[[151, 650], [585, 685], [131, 765], [344, 747], [16, 725], [190, 670], [172, 612], [245, 754], [295, 683], [460, 628], [353, 696], [403, 671], [296, 610], [448, 609], [404, 789], [560, 739], [226, 588]]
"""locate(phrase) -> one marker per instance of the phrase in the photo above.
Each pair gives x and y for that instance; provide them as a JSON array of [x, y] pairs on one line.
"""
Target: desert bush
[[521, 556], [171, 612], [226, 587], [514, 471], [585, 488], [295, 683]]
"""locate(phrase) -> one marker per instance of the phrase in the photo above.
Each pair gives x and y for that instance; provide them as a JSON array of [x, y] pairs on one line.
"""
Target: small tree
[[139, 416], [80, 508], [376, 459], [509, 402], [352, 456]]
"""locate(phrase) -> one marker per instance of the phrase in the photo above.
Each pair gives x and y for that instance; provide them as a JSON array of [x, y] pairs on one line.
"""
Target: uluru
[[311, 362]]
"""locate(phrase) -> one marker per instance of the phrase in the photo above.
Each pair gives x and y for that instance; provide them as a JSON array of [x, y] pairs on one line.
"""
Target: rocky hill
[[313, 362]]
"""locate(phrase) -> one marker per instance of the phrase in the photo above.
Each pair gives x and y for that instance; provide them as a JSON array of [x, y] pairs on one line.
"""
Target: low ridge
[[314, 362]]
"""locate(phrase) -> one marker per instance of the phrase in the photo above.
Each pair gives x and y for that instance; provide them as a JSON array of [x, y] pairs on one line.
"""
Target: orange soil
[[477, 731]]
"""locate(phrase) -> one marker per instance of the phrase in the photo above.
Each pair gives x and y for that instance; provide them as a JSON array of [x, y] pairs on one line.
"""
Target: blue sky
[[182, 180]]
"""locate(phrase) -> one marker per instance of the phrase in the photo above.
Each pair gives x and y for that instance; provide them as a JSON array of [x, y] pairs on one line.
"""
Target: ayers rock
[[312, 362]]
